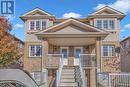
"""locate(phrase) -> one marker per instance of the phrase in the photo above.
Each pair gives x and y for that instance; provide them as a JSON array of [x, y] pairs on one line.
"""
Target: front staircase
[[68, 77]]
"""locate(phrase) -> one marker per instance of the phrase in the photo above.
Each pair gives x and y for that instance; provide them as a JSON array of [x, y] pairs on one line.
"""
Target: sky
[[66, 9]]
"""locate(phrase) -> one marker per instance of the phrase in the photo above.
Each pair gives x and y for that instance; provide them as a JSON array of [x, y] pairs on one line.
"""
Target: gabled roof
[[37, 11], [55, 28], [107, 11], [128, 38]]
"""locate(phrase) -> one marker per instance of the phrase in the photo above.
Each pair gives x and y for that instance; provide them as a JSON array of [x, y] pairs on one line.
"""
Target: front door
[[77, 52], [64, 51]]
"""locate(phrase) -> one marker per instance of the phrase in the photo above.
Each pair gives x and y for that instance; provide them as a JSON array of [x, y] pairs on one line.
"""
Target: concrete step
[[67, 80], [69, 76], [68, 70], [69, 84]]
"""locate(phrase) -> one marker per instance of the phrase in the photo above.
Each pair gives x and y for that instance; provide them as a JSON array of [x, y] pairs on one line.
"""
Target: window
[[105, 24], [32, 24], [35, 51], [99, 23], [112, 24], [43, 25], [37, 25], [108, 51]]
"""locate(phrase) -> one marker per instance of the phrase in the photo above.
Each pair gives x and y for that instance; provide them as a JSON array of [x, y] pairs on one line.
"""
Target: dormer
[[106, 18], [37, 19]]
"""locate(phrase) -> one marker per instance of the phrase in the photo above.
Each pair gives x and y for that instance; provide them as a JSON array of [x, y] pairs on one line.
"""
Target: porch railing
[[88, 60], [119, 80], [53, 60], [113, 79], [56, 60]]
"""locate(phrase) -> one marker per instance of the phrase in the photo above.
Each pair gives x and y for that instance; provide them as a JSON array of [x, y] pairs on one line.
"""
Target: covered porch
[[72, 43], [71, 51]]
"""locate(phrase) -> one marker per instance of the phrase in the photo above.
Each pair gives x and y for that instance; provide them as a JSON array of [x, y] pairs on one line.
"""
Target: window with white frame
[[37, 25], [111, 24], [105, 24], [108, 50], [32, 25], [35, 51], [99, 24], [43, 25]]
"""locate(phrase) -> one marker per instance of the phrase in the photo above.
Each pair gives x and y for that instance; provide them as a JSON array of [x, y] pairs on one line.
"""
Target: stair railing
[[59, 70]]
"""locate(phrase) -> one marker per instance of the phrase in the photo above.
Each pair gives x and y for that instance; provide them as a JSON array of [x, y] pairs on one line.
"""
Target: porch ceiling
[[71, 41]]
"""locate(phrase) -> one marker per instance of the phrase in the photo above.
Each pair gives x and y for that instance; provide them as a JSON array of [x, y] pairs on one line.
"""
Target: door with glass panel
[[77, 52], [64, 51]]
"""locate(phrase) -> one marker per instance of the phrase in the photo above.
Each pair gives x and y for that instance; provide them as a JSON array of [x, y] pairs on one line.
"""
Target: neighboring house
[[125, 54], [88, 44], [20, 46]]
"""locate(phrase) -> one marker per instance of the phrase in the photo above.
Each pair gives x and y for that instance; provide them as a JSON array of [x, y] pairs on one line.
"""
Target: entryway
[[65, 52], [76, 55], [77, 52]]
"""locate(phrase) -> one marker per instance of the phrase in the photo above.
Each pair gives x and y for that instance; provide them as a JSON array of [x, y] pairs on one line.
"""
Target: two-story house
[[72, 50]]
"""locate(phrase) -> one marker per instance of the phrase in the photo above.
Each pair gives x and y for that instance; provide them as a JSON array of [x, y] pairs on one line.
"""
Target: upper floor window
[[99, 23], [112, 24], [105, 24], [108, 51], [37, 25], [32, 25], [43, 24], [35, 51]]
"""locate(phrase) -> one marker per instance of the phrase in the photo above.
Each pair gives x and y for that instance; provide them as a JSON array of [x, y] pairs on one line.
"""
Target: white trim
[[38, 10], [29, 47], [108, 51], [109, 9], [71, 21], [102, 24], [29, 23]]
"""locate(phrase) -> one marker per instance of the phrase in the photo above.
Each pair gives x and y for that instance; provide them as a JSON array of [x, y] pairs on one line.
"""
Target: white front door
[[64, 51], [77, 52]]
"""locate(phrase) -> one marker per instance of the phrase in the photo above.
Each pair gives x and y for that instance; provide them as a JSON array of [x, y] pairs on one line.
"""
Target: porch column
[[71, 56], [93, 77], [98, 53], [44, 52]]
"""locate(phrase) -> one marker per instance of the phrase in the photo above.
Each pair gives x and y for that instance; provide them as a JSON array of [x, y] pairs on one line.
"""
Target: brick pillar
[[98, 53], [71, 56], [44, 52], [93, 77]]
